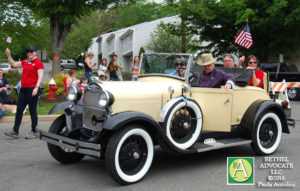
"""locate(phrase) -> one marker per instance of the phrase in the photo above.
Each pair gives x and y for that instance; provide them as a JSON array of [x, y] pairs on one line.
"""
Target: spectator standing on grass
[[3, 87], [32, 76], [88, 65], [135, 68], [120, 66]]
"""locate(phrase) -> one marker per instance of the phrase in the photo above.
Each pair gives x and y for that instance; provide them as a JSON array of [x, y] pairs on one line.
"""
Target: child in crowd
[[102, 76]]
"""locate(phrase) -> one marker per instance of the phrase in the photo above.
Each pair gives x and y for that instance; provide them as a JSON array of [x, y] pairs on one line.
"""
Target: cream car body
[[122, 121]]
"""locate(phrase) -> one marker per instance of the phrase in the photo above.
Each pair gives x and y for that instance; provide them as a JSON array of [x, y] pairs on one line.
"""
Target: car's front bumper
[[71, 145]]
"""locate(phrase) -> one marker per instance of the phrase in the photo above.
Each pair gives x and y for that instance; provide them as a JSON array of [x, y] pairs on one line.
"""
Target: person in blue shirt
[[3, 87], [2, 111]]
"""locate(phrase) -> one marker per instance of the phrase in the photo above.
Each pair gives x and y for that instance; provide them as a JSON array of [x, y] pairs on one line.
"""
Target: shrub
[[13, 77], [58, 78]]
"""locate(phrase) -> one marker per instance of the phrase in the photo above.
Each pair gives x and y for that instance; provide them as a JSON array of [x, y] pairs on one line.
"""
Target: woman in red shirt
[[32, 76], [257, 74]]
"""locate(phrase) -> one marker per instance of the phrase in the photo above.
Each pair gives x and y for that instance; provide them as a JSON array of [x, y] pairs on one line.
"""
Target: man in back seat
[[228, 61]]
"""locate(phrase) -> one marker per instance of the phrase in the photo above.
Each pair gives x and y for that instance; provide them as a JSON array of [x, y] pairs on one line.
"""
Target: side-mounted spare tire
[[266, 133], [58, 127], [183, 123]]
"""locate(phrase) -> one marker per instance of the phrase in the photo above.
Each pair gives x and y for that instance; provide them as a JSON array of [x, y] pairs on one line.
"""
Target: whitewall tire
[[266, 134], [129, 154], [183, 124]]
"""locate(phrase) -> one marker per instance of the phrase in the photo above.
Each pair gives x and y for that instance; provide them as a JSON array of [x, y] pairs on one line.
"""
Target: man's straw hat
[[206, 59]]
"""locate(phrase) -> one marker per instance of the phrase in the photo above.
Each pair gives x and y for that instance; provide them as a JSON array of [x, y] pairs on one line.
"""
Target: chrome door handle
[[227, 100]]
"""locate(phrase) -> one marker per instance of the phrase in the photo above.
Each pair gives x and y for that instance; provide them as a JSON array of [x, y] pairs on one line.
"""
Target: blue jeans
[[2, 112], [3, 96], [114, 79], [25, 97], [134, 79], [88, 75]]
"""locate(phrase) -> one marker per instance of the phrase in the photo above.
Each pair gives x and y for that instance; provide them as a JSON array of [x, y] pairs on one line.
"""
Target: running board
[[212, 144]]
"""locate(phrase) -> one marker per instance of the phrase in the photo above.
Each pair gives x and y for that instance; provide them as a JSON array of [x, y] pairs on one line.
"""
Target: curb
[[26, 118]]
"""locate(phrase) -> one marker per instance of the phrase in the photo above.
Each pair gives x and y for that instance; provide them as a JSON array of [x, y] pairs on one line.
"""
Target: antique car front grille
[[93, 115]]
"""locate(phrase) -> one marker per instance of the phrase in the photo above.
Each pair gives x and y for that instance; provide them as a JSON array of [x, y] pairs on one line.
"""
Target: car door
[[216, 106]]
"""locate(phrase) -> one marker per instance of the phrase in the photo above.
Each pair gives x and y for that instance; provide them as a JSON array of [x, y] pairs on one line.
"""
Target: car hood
[[146, 97], [139, 89]]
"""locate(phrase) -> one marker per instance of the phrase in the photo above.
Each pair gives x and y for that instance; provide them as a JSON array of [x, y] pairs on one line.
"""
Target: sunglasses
[[30, 51], [180, 64], [252, 62]]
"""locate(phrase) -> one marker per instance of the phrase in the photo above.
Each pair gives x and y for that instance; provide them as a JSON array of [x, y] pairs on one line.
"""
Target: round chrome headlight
[[105, 99], [74, 93]]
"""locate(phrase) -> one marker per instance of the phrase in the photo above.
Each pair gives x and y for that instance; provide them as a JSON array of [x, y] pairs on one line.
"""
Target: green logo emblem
[[240, 171]]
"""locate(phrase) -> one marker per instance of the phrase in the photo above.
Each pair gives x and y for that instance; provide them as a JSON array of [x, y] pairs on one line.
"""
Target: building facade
[[126, 42]]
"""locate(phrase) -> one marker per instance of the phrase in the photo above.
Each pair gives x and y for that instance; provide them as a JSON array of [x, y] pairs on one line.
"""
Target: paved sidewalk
[[26, 118]]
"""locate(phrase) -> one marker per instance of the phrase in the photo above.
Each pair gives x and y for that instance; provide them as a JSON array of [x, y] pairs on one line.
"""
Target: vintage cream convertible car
[[121, 122]]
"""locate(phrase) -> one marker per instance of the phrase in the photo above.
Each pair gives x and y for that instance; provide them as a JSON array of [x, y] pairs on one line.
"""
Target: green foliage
[[59, 83], [13, 78], [89, 26], [134, 13], [20, 24], [161, 40], [58, 78], [274, 25]]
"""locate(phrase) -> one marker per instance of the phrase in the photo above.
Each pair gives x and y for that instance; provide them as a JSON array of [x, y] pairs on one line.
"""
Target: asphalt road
[[27, 165]]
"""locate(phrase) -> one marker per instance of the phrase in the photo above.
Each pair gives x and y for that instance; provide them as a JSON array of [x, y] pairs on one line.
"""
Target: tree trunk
[[183, 37], [58, 35]]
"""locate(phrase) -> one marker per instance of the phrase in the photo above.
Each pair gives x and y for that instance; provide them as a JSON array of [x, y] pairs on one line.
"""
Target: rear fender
[[257, 108]]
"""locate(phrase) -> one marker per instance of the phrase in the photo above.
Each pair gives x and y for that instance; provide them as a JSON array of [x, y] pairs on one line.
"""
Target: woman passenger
[[257, 74]]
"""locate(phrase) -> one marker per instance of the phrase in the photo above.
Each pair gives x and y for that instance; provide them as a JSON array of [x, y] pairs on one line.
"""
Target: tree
[[62, 14], [23, 27], [115, 18], [274, 25], [163, 41]]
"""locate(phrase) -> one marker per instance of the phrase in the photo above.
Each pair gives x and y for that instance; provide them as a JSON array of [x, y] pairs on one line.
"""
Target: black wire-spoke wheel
[[183, 124], [129, 154], [266, 134], [133, 155], [62, 154]]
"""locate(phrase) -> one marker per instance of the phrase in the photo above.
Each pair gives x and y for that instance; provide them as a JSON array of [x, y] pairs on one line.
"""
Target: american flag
[[244, 38]]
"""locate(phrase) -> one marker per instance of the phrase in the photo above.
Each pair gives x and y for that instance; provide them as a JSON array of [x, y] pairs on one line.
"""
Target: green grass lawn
[[43, 109]]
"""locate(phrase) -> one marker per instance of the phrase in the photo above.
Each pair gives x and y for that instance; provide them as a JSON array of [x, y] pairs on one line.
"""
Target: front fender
[[119, 120], [60, 106], [259, 107]]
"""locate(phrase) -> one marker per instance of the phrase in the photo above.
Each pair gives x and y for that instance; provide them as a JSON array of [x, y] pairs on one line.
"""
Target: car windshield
[[164, 64], [3, 66]]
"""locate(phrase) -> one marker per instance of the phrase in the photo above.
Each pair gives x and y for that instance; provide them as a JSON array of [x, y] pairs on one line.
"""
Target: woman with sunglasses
[[32, 76], [257, 74], [180, 69]]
